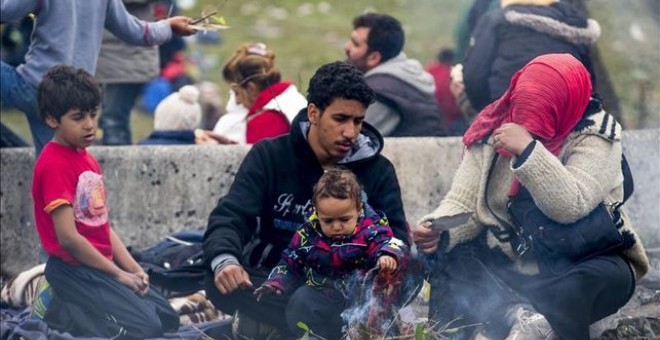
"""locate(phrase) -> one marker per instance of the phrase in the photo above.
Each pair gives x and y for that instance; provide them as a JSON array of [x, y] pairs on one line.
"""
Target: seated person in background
[[405, 105], [546, 137], [342, 238], [98, 288], [271, 195], [176, 118], [261, 105]]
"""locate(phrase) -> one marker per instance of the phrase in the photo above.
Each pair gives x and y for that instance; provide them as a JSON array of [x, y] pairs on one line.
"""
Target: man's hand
[[426, 238], [387, 264], [181, 25], [230, 278], [266, 289], [512, 137]]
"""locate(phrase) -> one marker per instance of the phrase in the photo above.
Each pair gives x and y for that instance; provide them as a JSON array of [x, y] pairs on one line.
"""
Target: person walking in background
[[507, 38], [99, 290], [123, 69], [70, 32], [176, 118], [451, 113], [271, 195], [335, 248], [405, 105], [260, 105], [547, 138]]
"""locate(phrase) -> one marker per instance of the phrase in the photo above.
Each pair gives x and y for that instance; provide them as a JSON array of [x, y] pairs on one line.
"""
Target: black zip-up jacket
[[271, 196], [506, 39]]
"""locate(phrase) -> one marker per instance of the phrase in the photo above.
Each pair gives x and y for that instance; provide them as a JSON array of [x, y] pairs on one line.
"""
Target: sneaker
[[529, 325], [244, 327]]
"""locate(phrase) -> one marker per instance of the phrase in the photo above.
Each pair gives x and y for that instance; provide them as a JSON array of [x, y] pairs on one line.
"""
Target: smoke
[[376, 300]]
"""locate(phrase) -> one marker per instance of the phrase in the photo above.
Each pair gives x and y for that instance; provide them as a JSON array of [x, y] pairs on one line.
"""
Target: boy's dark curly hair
[[64, 88], [338, 79]]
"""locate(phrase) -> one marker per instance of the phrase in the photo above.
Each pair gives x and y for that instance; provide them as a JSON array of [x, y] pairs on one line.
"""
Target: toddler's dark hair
[[64, 88], [340, 184]]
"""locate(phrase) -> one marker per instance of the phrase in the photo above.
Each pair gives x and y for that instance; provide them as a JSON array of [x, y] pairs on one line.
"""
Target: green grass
[[306, 34], [141, 123], [302, 42]]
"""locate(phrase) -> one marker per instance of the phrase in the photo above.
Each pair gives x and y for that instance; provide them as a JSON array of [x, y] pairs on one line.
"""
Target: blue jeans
[[118, 101], [15, 92]]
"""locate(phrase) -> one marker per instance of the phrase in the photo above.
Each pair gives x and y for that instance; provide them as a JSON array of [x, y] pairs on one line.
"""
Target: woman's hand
[[387, 264], [210, 137], [426, 238], [511, 137]]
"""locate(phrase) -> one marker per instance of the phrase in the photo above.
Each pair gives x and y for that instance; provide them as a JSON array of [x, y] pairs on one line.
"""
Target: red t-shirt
[[63, 175]]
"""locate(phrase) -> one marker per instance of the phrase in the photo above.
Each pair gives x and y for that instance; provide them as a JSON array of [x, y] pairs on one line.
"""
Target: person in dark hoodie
[[506, 39], [271, 196], [405, 103]]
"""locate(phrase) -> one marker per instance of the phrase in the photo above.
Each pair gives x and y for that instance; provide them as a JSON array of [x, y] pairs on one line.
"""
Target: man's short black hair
[[64, 88], [385, 34], [338, 79]]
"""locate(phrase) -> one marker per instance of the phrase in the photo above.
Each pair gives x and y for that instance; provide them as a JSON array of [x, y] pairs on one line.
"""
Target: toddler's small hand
[[387, 263], [266, 289]]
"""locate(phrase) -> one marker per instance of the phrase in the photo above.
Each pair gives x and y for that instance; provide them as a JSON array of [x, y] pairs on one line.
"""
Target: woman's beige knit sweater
[[565, 188]]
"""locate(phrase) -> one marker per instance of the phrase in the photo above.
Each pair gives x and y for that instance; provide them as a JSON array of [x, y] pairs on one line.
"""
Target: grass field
[[306, 34]]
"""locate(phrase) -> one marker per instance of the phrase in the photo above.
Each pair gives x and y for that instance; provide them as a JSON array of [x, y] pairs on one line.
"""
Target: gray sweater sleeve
[[133, 30], [382, 117]]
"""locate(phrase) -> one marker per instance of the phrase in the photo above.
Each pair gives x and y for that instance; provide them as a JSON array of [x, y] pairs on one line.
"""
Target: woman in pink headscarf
[[547, 134]]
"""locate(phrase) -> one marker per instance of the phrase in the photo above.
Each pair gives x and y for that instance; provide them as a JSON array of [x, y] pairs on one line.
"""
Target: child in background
[[176, 118], [99, 289], [343, 235]]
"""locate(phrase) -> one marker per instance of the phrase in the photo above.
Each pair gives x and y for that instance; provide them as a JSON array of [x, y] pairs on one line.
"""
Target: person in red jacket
[[440, 70]]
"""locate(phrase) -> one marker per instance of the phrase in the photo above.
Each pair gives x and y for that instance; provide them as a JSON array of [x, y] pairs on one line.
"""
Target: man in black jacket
[[271, 194]]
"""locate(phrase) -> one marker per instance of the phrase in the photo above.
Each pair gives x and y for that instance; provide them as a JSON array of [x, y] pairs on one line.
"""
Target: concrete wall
[[154, 191]]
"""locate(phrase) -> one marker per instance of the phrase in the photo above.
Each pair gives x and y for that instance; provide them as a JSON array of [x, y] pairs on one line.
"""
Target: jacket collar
[[267, 94], [369, 144]]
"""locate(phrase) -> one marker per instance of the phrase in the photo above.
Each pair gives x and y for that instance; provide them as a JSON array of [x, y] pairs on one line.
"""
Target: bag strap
[[500, 234], [628, 183]]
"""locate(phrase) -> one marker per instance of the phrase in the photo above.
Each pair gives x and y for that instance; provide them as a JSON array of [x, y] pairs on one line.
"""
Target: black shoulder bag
[[558, 247]]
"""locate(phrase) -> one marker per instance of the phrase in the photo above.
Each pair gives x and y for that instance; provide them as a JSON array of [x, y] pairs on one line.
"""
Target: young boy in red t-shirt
[[99, 289]]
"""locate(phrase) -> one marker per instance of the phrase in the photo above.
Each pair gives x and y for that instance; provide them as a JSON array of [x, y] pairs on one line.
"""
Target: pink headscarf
[[548, 97]]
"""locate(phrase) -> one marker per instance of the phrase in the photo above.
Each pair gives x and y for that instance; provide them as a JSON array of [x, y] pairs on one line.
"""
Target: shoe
[[529, 325], [244, 327]]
